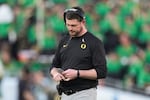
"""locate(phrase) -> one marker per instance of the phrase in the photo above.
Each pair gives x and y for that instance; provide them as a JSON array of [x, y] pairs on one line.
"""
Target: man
[[79, 60]]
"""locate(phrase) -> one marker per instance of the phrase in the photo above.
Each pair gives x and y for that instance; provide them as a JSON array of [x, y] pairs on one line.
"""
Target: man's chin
[[72, 34]]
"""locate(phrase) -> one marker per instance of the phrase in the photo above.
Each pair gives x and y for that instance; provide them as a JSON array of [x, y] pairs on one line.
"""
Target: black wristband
[[78, 74]]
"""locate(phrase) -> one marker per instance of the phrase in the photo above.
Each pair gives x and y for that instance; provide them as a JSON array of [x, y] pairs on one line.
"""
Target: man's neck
[[82, 32]]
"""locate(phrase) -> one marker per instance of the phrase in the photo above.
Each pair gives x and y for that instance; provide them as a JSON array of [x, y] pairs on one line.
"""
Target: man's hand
[[69, 74], [58, 77], [57, 74]]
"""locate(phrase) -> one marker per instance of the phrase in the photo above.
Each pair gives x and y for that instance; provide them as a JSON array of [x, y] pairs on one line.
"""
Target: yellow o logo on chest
[[83, 46]]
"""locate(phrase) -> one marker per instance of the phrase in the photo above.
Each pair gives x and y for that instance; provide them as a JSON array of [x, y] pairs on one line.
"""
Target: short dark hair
[[74, 13]]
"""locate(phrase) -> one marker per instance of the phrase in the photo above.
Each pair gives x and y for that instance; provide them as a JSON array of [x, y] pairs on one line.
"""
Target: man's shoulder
[[92, 37], [65, 37]]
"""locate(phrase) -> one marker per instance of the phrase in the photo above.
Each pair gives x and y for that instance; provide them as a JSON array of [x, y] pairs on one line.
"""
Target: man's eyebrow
[[71, 24]]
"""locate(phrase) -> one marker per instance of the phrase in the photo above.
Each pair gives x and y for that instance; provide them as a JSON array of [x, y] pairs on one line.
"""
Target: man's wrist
[[78, 73]]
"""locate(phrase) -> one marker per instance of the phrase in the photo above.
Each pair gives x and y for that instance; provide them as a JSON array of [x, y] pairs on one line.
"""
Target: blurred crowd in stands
[[31, 29]]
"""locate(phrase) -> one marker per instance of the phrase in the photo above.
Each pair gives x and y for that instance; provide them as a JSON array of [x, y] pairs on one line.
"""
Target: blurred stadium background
[[30, 31]]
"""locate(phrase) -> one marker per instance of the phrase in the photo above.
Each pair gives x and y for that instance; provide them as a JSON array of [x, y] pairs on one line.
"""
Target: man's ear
[[84, 22]]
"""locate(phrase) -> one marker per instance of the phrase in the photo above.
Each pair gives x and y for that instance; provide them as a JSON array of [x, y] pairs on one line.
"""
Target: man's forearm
[[88, 74]]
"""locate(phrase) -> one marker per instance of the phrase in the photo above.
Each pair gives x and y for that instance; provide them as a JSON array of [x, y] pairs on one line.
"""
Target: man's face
[[74, 27]]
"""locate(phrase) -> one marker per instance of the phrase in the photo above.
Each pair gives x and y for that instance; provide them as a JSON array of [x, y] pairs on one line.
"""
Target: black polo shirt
[[85, 52]]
